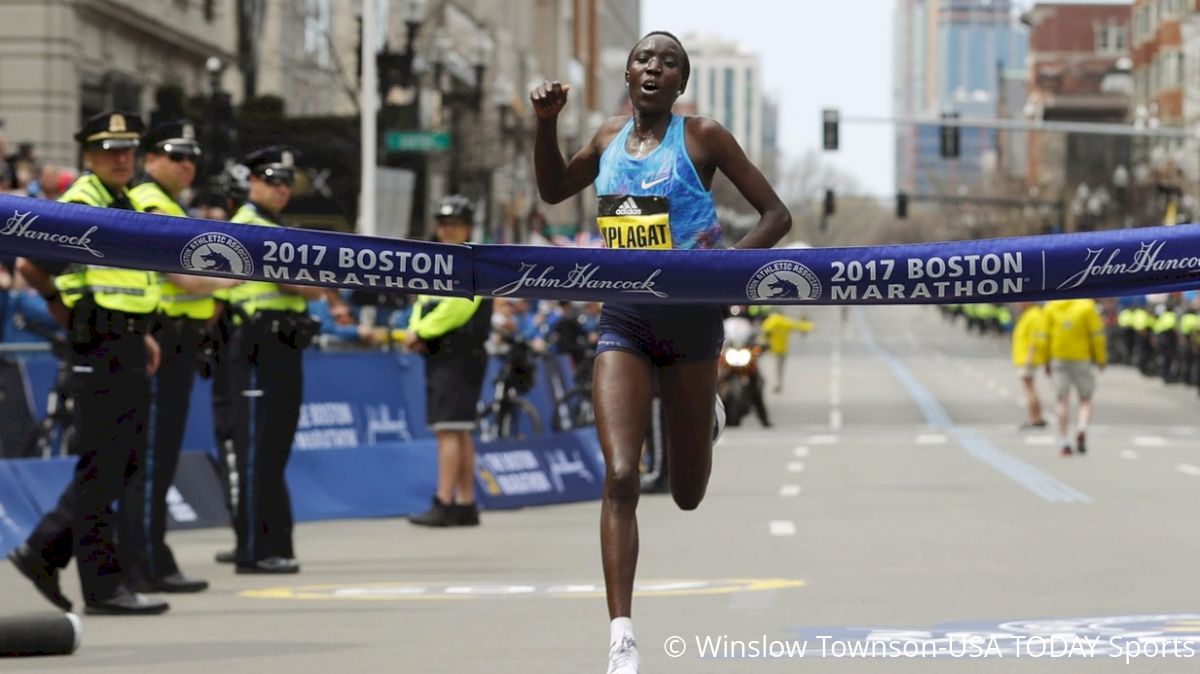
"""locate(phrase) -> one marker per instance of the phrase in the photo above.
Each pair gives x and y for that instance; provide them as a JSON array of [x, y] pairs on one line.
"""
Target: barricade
[[362, 450]]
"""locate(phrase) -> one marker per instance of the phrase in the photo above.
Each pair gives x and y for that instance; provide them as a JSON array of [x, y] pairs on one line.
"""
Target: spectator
[[7, 265]]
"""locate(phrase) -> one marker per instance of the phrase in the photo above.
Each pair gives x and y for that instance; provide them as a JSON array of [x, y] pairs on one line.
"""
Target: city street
[[895, 499]]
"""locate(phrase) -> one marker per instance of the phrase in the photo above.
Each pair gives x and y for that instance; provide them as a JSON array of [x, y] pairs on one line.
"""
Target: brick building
[[1079, 71]]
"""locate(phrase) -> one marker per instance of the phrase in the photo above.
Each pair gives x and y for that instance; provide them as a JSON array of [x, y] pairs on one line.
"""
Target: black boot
[[43, 575], [439, 515], [466, 514]]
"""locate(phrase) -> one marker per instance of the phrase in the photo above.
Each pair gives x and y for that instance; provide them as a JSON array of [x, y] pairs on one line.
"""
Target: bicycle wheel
[[577, 407], [516, 414]]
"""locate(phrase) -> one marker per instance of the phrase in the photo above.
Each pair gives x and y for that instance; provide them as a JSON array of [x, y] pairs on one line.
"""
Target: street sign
[[416, 141]]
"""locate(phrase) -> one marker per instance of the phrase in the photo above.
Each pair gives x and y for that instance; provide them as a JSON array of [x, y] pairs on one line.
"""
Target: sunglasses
[[181, 156], [276, 181]]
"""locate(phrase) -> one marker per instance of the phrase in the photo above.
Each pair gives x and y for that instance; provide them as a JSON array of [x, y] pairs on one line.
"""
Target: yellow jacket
[[1029, 338], [777, 327], [1075, 331]]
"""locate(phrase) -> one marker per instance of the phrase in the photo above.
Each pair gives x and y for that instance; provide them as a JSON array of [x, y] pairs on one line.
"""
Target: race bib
[[639, 223]]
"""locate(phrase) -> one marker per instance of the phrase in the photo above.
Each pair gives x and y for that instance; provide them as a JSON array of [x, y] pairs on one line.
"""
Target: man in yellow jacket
[[1075, 346], [778, 328], [1028, 354]]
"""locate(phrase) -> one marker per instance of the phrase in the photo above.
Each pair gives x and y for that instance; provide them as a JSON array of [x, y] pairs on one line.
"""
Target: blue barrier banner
[[47, 230], [18, 513], [555, 468], [44, 479], [196, 499], [363, 399], [386, 480], [1092, 264]]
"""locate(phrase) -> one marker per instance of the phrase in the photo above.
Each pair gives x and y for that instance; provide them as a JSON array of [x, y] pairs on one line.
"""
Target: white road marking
[[1129, 454], [822, 439], [992, 385], [931, 439], [1188, 469], [801, 451], [1002, 392], [796, 467], [835, 419], [1040, 440], [783, 528], [789, 490], [1149, 441]]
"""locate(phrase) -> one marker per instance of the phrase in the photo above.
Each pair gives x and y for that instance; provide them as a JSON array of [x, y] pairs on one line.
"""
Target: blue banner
[[1092, 264], [390, 479], [18, 513], [556, 468], [48, 230]]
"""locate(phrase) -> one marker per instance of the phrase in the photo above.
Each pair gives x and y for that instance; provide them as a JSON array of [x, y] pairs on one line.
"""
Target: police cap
[[111, 130], [274, 163], [455, 206], [172, 138]]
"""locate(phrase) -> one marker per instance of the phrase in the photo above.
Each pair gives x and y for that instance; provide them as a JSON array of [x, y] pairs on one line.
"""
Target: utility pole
[[368, 106]]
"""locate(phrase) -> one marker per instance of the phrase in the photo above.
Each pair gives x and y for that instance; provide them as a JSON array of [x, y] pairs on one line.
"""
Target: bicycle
[[508, 413], [573, 407], [57, 428]]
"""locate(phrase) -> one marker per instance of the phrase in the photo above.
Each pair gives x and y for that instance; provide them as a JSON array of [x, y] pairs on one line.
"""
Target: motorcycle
[[738, 378]]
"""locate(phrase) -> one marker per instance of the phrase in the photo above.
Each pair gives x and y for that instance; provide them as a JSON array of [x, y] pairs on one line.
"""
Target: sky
[[815, 54]]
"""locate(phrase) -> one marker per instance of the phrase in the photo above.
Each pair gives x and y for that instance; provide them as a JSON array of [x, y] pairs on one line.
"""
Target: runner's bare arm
[[716, 148], [558, 179]]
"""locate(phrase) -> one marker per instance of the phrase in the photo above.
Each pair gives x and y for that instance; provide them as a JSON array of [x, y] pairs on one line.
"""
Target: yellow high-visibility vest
[[149, 197], [253, 296], [128, 290]]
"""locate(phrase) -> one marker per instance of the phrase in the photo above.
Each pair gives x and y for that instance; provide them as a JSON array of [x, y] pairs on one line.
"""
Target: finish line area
[[1092, 264], [895, 530]]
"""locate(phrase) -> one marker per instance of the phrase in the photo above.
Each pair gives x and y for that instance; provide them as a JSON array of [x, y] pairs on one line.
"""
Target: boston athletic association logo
[[217, 253], [783, 281]]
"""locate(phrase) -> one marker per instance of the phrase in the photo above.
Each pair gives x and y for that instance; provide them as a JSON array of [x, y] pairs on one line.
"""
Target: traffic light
[[901, 205], [829, 128], [830, 203], [948, 137]]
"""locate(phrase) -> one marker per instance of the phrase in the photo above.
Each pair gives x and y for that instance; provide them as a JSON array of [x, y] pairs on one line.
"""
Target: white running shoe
[[718, 419], [623, 657]]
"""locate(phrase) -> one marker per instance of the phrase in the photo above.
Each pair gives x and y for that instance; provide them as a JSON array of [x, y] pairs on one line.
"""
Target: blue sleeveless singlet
[[664, 334], [666, 172]]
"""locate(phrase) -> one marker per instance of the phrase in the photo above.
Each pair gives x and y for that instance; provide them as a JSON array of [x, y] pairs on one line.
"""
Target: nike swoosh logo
[[652, 183]]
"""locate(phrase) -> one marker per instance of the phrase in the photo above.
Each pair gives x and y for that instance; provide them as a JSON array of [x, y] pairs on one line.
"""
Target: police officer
[[271, 329], [451, 331], [107, 312], [185, 306]]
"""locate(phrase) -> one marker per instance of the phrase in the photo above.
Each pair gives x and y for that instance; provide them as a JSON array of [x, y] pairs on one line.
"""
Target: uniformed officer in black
[[185, 306], [271, 329], [107, 312]]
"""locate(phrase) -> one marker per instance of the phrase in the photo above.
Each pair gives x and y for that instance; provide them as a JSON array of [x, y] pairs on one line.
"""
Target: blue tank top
[[666, 172]]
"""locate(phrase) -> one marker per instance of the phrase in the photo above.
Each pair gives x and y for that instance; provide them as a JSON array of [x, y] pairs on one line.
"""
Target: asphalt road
[[895, 509]]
